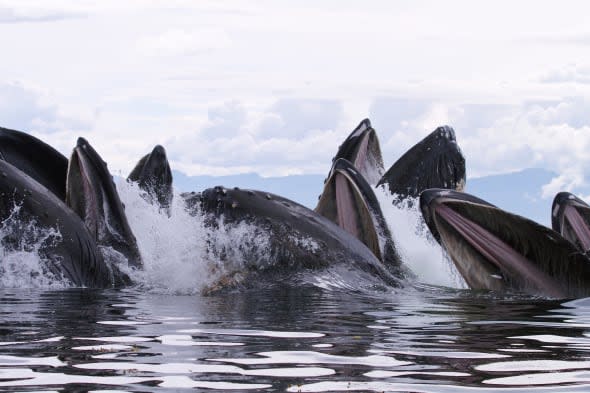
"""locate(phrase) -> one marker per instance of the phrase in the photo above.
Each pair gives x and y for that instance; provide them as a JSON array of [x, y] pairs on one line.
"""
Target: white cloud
[[230, 87], [498, 138], [292, 117], [572, 111], [236, 139], [580, 37], [553, 136], [567, 181], [571, 73]]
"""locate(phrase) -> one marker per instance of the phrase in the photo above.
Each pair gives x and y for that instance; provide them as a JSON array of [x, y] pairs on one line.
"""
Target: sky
[[274, 87]]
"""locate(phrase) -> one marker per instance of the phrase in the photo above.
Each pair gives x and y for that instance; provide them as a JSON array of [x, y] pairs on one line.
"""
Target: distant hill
[[518, 192]]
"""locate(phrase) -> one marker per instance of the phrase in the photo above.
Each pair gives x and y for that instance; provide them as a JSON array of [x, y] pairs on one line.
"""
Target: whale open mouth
[[491, 249], [82, 194], [571, 217], [579, 227], [343, 203], [91, 193]]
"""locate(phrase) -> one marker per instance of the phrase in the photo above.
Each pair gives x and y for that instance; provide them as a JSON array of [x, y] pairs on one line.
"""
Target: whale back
[[35, 158]]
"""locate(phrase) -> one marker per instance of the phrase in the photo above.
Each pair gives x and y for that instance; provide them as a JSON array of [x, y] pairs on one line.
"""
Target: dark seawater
[[420, 339]]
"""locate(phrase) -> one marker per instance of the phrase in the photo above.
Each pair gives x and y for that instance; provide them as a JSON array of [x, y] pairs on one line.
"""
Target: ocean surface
[[424, 339], [165, 335]]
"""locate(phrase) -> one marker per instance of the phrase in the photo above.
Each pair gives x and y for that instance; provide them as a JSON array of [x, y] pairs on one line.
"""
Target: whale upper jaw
[[362, 149]]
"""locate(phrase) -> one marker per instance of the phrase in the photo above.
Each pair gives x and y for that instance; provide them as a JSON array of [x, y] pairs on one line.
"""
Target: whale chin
[[434, 162], [153, 175]]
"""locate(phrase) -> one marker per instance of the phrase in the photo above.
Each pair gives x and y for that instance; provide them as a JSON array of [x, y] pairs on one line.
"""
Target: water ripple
[[292, 340]]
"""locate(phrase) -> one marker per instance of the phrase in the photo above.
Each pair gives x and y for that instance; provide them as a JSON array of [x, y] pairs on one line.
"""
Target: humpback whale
[[362, 149], [153, 175], [73, 254], [347, 228], [570, 216], [92, 194], [349, 201], [35, 158], [434, 162], [501, 251], [299, 238]]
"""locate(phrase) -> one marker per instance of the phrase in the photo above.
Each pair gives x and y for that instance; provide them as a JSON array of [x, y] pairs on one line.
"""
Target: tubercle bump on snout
[[219, 200]]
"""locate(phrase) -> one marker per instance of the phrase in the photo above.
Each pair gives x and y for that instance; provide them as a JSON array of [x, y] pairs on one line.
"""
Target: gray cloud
[[225, 120], [17, 15], [470, 117]]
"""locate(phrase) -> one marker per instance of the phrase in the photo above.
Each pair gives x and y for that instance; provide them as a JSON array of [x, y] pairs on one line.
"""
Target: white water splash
[[418, 249], [21, 263], [172, 248], [181, 255]]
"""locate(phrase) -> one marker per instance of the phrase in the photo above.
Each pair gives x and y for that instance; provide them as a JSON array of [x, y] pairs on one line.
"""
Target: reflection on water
[[425, 339]]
